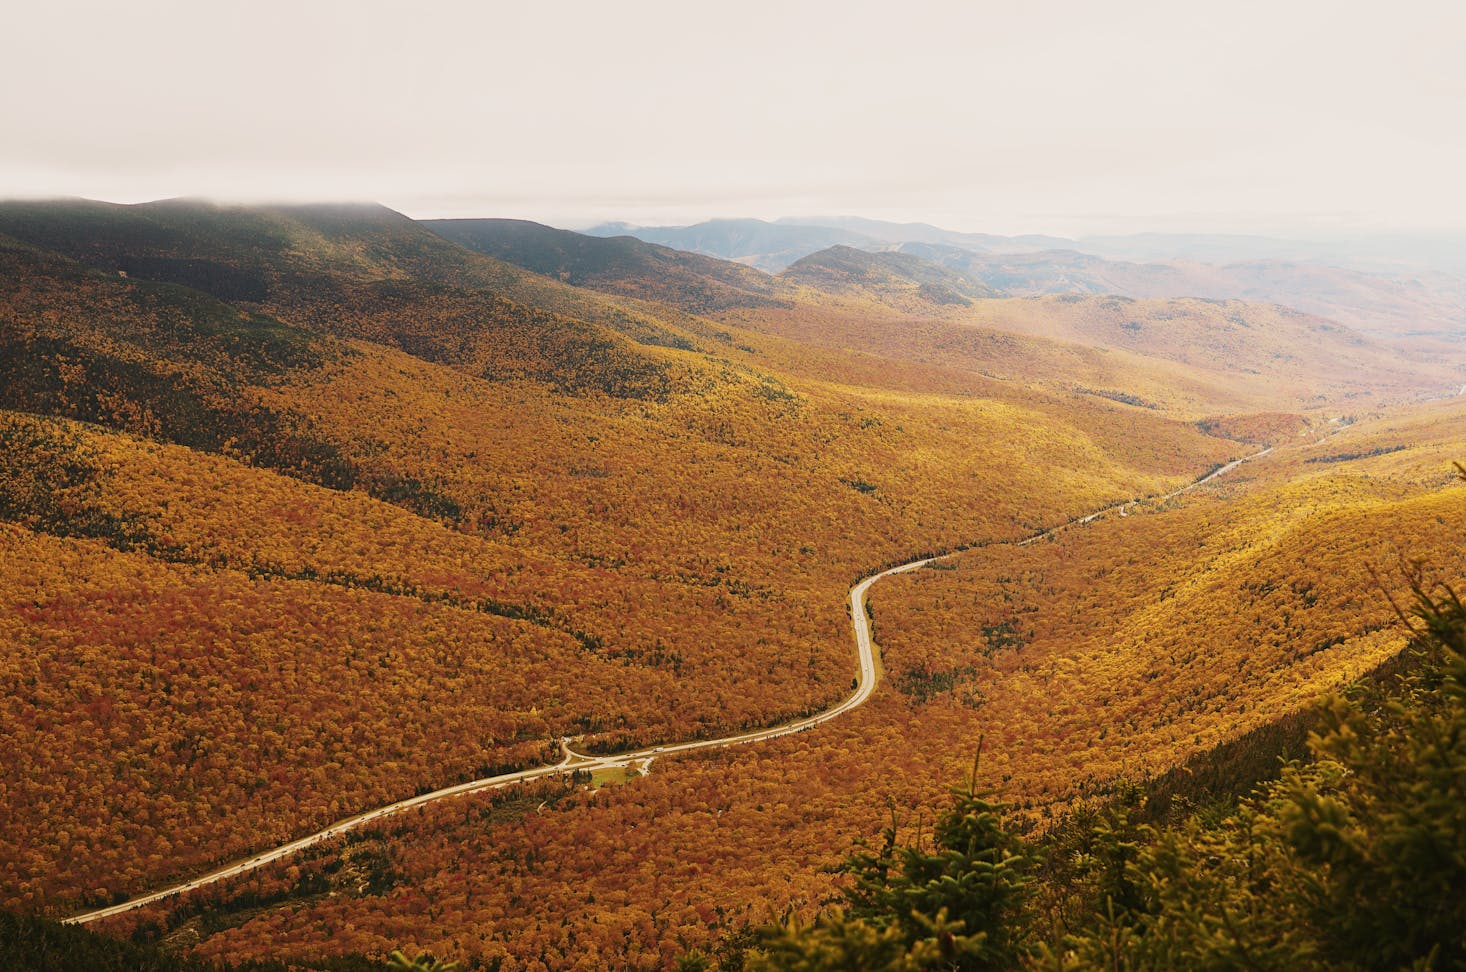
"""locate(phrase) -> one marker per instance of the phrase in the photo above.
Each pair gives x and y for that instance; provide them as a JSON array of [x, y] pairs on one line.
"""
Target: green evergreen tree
[[1382, 822], [959, 904], [1355, 861], [423, 962]]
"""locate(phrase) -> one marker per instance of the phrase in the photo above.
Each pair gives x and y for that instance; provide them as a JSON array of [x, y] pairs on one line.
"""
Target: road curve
[[864, 687]]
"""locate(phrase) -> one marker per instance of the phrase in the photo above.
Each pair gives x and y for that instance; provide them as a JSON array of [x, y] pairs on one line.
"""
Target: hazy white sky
[[1067, 117]]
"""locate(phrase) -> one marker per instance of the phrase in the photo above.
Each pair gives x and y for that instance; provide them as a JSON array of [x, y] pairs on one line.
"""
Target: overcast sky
[[1063, 117]]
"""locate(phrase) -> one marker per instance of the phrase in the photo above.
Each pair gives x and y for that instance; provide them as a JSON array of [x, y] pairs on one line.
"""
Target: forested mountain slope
[[1113, 652], [360, 271], [307, 509], [1190, 358], [510, 540]]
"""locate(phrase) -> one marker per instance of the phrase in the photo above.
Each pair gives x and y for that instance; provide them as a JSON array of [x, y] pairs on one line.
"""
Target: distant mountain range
[[1377, 304], [1393, 286], [768, 246], [774, 245]]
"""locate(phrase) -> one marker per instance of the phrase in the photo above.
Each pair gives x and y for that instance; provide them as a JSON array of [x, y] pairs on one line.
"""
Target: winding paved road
[[641, 758]]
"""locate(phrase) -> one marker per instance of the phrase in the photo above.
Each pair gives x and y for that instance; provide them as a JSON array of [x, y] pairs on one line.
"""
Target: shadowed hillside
[[621, 265], [363, 271]]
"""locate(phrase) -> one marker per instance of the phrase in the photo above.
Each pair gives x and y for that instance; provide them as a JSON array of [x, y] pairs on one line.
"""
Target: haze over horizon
[[1060, 118]]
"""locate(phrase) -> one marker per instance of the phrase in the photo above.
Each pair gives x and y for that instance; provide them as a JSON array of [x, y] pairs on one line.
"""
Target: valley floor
[[1064, 652]]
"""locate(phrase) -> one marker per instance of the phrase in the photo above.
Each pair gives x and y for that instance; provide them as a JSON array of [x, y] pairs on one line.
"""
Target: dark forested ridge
[[621, 264]]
